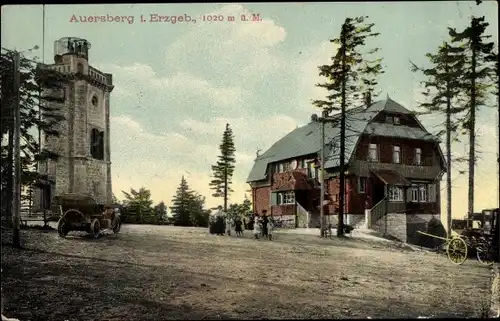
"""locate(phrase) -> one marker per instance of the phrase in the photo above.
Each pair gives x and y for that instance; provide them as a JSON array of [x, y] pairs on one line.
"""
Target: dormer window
[[388, 119], [396, 120]]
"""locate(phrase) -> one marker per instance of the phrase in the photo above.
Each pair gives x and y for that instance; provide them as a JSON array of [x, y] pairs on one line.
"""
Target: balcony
[[291, 180]]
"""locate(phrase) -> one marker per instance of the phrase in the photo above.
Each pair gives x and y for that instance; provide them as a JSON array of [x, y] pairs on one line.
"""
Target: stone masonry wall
[[392, 225], [76, 171]]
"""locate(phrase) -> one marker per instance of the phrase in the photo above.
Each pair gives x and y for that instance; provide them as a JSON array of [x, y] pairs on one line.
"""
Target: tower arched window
[[97, 144], [79, 68]]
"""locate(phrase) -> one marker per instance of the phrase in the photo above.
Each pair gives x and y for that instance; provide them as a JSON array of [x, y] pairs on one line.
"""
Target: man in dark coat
[[265, 219]]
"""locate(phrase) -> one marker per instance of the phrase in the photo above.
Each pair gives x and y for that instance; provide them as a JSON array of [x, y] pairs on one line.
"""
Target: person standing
[[219, 220], [265, 220], [229, 225], [256, 228], [238, 227]]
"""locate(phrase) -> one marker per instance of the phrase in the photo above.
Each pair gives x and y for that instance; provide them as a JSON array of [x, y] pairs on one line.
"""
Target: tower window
[[79, 68], [94, 101], [97, 144]]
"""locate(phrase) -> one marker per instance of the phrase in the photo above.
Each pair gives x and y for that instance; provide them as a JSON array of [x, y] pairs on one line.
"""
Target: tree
[[138, 206], [444, 91], [35, 114], [115, 200], [477, 76], [348, 75], [224, 168], [199, 215], [160, 213], [181, 204], [246, 206]]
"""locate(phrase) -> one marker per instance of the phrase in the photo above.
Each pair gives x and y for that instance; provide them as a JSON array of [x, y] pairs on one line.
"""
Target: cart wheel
[[457, 250], [62, 228], [117, 225], [95, 228], [484, 256]]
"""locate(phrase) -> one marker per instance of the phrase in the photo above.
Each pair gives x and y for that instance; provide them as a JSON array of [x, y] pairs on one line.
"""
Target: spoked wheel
[[117, 224], [457, 250], [95, 228], [484, 256], [62, 228]]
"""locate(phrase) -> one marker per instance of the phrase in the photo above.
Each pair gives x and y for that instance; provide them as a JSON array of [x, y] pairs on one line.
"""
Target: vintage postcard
[[250, 160]]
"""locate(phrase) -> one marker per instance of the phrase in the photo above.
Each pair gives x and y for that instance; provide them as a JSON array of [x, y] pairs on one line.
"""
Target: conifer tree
[[350, 78], [477, 79], [139, 205], [444, 95], [182, 205], [223, 170], [35, 114]]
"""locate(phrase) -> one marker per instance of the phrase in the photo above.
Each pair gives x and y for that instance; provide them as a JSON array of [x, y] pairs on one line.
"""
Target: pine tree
[[224, 168], [182, 204], [444, 93], [477, 77], [34, 115], [199, 215], [160, 213], [246, 206], [139, 205], [348, 75]]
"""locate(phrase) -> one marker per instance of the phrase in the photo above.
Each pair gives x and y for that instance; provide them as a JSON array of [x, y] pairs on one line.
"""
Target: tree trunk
[[225, 188], [448, 155], [9, 194], [448, 167], [472, 134], [340, 227]]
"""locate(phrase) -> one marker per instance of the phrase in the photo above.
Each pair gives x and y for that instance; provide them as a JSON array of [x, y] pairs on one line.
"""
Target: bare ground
[[159, 273]]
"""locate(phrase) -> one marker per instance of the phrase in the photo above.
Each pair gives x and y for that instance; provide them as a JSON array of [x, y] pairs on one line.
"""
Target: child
[[256, 228], [270, 230], [229, 223]]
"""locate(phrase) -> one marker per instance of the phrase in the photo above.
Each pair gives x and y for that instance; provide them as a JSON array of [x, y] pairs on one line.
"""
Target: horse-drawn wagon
[[478, 233], [82, 213]]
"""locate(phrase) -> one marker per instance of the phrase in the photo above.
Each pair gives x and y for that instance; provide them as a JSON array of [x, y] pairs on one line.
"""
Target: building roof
[[306, 140]]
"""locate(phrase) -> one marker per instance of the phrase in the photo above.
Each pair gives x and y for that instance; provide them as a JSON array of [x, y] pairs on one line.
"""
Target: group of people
[[261, 226]]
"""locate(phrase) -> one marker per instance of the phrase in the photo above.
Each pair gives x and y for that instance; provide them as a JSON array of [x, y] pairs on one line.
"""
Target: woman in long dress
[[256, 228]]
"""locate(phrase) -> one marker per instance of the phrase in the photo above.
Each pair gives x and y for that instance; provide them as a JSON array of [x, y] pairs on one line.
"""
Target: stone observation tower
[[83, 144]]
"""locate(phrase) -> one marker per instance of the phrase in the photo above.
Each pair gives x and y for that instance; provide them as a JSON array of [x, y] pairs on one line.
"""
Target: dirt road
[[159, 273]]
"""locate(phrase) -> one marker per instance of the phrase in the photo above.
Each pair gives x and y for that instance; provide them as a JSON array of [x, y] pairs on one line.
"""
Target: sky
[[177, 85]]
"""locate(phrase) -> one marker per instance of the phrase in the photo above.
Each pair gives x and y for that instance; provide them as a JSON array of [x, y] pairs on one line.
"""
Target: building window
[[418, 156], [422, 193], [97, 144], [388, 119], [373, 153], [361, 184], [395, 194], [431, 196], [286, 198], [414, 193], [396, 155], [302, 163], [94, 101], [79, 68], [396, 120], [286, 166], [311, 170]]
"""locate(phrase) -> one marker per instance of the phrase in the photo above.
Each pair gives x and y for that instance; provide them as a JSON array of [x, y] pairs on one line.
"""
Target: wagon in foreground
[[82, 213]]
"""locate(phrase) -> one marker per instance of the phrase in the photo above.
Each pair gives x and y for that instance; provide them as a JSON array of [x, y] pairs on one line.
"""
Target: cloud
[[158, 161], [138, 78], [250, 134], [236, 52]]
